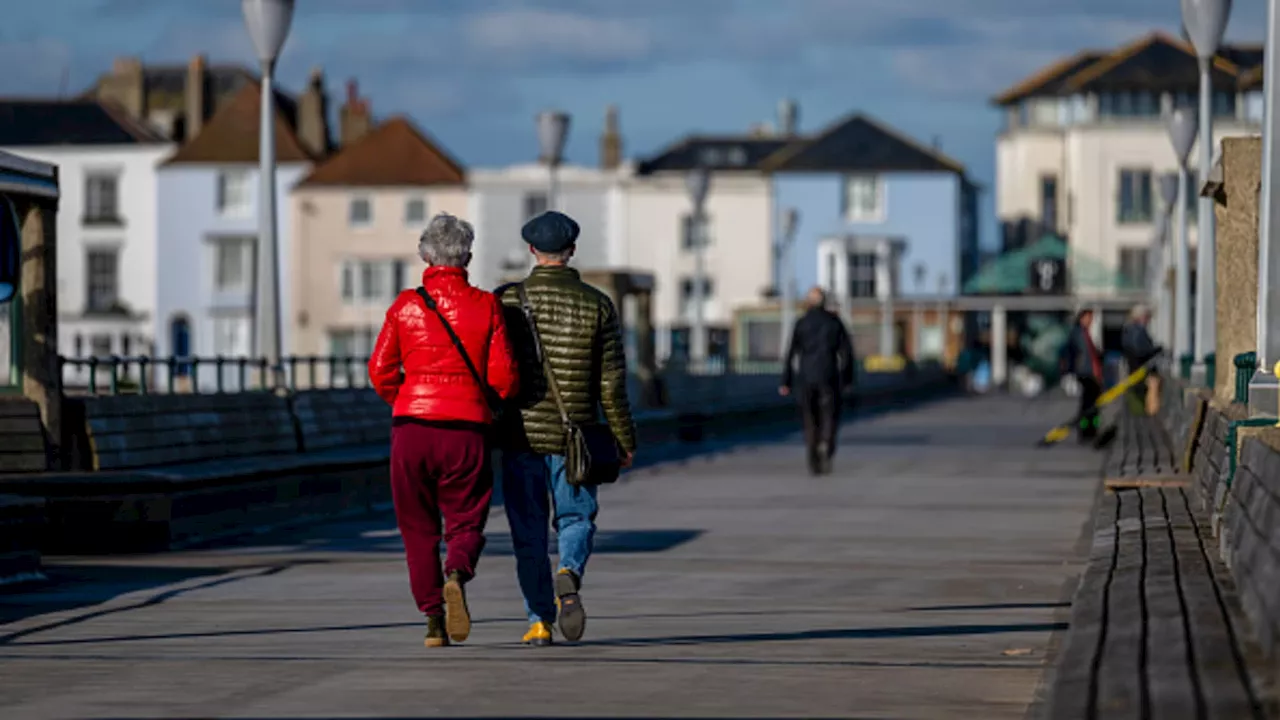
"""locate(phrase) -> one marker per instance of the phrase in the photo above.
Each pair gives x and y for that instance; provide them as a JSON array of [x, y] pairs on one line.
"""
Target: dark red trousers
[[439, 473]]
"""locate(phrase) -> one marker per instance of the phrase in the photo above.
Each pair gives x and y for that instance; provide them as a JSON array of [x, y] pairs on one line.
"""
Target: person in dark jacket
[[580, 333], [1083, 359], [1139, 349], [818, 368]]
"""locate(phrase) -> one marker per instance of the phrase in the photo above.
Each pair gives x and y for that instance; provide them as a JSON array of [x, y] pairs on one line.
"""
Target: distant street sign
[[1048, 276]]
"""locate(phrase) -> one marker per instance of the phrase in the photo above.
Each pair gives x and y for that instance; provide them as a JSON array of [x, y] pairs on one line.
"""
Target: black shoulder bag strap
[[527, 308], [490, 395]]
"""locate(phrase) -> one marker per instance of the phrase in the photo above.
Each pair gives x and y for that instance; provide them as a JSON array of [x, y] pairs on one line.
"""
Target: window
[[1048, 201], [100, 346], [372, 282], [101, 198], [360, 212], [103, 275], [231, 336], [1133, 200], [126, 344], [1133, 267], [1223, 102], [233, 264], [234, 196], [862, 275], [863, 198], [687, 299], [352, 342], [535, 204], [415, 211], [1135, 104], [689, 232]]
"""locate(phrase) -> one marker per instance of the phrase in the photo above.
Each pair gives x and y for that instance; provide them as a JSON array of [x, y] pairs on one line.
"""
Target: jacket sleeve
[[844, 352], [385, 370], [613, 379], [501, 373]]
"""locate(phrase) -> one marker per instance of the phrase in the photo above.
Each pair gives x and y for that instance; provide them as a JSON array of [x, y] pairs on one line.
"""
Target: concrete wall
[[1237, 258], [324, 239], [188, 221], [922, 208]]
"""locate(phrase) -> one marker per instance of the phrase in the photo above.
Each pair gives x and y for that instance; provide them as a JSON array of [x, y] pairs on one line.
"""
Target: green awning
[[1010, 274]]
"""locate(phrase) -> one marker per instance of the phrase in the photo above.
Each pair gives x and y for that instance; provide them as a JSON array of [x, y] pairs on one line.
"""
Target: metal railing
[[115, 375]]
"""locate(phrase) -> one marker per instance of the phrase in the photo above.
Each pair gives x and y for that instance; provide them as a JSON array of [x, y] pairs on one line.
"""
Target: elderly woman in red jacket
[[445, 365]]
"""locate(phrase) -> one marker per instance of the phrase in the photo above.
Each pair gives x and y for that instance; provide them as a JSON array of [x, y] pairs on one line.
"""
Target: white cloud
[[549, 33]]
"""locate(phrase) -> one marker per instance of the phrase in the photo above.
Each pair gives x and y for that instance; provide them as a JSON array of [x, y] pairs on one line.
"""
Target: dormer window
[[712, 157], [737, 156]]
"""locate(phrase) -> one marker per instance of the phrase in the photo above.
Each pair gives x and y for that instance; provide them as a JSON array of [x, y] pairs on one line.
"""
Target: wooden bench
[[22, 441], [329, 419], [1155, 628], [1143, 455]]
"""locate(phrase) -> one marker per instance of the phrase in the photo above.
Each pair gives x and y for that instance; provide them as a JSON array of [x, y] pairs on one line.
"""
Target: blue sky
[[474, 72]]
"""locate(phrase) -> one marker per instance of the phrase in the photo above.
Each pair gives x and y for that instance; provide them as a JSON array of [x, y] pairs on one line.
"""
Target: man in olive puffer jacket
[[581, 336]]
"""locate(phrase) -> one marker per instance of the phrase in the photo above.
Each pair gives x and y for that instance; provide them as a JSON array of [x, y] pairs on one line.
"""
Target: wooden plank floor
[[1151, 635]]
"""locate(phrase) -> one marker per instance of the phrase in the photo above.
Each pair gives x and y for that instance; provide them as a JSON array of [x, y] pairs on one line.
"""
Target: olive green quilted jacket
[[582, 337]]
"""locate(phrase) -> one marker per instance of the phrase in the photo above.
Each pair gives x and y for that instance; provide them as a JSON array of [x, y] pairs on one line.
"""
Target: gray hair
[[447, 241], [1140, 312], [556, 257]]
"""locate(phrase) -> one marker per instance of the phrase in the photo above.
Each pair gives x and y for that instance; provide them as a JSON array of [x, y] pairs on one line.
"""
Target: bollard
[[1184, 366], [1246, 365]]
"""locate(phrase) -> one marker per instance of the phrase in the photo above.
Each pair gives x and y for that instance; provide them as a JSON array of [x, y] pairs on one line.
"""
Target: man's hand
[[784, 391], [627, 459]]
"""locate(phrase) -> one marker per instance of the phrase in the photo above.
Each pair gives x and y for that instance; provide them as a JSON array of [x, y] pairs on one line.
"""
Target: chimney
[[313, 113], [353, 118], [196, 96], [124, 86], [610, 140], [788, 118]]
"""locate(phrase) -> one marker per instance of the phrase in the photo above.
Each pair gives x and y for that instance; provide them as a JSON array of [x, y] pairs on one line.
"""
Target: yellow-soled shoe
[[436, 636], [457, 618], [539, 634]]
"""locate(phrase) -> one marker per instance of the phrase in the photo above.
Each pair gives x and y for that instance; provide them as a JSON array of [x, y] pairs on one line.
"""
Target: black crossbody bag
[[491, 397], [591, 451]]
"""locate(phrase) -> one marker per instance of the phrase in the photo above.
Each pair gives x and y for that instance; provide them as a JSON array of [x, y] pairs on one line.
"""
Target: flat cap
[[550, 232]]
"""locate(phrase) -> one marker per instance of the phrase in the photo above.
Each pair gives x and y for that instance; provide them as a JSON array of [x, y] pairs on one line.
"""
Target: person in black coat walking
[[817, 369]]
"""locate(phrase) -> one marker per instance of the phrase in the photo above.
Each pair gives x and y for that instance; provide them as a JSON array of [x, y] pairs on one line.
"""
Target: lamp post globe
[[698, 184], [1183, 127], [790, 223], [1169, 189], [1205, 21], [553, 132], [268, 24]]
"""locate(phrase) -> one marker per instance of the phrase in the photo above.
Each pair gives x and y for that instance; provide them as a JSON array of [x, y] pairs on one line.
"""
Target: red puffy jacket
[[436, 384]]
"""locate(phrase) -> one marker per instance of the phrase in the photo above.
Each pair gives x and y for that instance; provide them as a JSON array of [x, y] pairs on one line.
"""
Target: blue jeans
[[534, 494]]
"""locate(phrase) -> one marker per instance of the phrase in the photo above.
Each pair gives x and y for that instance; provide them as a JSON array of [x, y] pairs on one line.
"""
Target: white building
[[501, 200], [208, 217], [1086, 140], [107, 220]]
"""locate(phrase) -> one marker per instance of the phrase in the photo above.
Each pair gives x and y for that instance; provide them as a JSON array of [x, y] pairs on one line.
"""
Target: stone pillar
[[1235, 183], [999, 346], [39, 325]]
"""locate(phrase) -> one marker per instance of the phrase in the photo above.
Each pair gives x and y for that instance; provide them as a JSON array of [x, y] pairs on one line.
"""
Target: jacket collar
[[554, 271], [441, 273]]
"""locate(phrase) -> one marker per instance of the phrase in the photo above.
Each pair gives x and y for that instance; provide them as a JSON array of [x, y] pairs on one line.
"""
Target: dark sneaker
[[435, 633], [573, 617], [457, 619]]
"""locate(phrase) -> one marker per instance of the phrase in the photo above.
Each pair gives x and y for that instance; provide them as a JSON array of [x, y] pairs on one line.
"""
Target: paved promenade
[[927, 578]]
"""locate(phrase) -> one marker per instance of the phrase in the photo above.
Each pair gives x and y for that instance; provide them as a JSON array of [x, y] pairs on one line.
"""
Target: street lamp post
[[786, 245], [884, 288], [1205, 21], [698, 183], [1265, 385], [1160, 257], [1182, 131], [268, 24], [553, 131]]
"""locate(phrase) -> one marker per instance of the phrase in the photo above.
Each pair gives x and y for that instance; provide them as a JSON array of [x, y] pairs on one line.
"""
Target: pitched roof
[[1155, 61], [231, 135], [858, 143], [69, 122], [726, 152], [396, 153]]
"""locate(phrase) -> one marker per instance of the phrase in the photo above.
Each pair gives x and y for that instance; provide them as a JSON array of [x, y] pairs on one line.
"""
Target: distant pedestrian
[[1083, 359], [1139, 349], [818, 368], [445, 365], [568, 341]]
